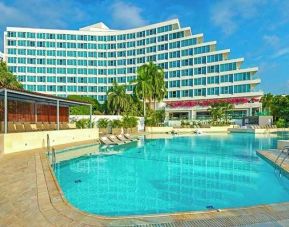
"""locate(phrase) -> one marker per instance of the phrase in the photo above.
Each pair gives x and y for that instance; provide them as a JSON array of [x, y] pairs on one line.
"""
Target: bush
[[83, 123], [103, 123], [116, 123], [155, 118], [129, 122], [281, 123]]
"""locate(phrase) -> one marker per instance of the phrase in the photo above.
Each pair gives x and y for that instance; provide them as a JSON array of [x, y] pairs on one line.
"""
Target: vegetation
[[278, 107], [129, 122], [220, 113], [83, 123], [84, 110], [7, 79], [103, 123], [118, 101], [155, 118], [116, 123]]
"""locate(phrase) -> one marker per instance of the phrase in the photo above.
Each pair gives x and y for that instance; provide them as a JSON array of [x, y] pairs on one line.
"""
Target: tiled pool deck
[[29, 196]]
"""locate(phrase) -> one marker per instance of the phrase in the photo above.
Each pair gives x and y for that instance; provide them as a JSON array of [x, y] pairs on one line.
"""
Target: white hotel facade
[[88, 60]]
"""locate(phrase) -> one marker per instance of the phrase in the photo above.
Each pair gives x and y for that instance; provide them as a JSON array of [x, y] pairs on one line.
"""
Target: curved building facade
[[88, 60]]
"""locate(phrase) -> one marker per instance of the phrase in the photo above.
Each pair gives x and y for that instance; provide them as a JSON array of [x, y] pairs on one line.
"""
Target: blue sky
[[257, 30]]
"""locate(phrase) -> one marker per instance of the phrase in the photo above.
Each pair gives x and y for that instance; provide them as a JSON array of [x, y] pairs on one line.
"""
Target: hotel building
[[88, 60]]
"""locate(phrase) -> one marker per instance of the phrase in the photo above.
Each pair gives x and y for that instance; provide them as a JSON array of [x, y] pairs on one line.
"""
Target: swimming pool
[[190, 173]]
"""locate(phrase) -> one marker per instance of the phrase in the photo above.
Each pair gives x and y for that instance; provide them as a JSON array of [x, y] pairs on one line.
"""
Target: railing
[[285, 151], [50, 152]]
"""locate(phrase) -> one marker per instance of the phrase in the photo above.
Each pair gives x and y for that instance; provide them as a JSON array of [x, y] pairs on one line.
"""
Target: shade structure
[[17, 105]]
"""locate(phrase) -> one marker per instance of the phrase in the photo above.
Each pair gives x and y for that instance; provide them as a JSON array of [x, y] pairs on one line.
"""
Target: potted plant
[[116, 126], [102, 125]]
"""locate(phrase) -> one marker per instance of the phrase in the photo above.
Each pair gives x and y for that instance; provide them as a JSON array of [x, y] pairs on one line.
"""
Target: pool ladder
[[285, 151], [51, 152]]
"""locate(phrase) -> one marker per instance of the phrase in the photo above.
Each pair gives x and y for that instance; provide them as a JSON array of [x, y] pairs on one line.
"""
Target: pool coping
[[55, 207]]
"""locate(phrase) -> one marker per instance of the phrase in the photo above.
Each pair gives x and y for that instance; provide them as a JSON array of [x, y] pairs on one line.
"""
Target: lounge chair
[[123, 139], [11, 127], [39, 126], [114, 139], [28, 127], [129, 137], [52, 126], [19, 127], [106, 141], [46, 126]]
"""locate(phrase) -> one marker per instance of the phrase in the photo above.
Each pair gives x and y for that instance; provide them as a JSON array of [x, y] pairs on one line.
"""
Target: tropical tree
[[267, 102], [7, 79], [118, 100], [143, 85], [220, 110], [158, 82], [150, 84]]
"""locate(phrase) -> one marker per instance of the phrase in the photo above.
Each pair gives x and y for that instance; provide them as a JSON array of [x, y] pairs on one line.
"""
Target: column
[[57, 114]]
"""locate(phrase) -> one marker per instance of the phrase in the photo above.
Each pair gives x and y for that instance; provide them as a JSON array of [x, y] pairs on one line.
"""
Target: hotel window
[[151, 40], [21, 34], [200, 70], [21, 78], [12, 59], [187, 62], [188, 82], [11, 42], [174, 74], [175, 54], [188, 42], [176, 35], [174, 94], [227, 90], [227, 78], [11, 34], [140, 34], [51, 79], [213, 69], [174, 64], [31, 78], [130, 44], [163, 56], [21, 51], [163, 38], [41, 70], [71, 88], [228, 67], [213, 80], [51, 88], [174, 45], [187, 52], [140, 42], [242, 88], [213, 91], [151, 32], [200, 81], [242, 76], [41, 79], [41, 88], [41, 52], [71, 79], [21, 43], [200, 60], [200, 92], [141, 60], [162, 47], [61, 70], [200, 50], [21, 60], [31, 87]]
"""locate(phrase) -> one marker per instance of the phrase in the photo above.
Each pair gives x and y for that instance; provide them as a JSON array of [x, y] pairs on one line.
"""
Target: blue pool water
[[172, 175]]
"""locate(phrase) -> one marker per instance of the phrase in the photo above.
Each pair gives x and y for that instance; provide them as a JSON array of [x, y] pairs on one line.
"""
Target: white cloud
[[127, 15], [281, 52], [228, 14], [272, 40]]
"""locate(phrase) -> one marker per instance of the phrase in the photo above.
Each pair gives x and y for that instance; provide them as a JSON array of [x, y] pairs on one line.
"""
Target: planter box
[[116, 131], [102, 131]]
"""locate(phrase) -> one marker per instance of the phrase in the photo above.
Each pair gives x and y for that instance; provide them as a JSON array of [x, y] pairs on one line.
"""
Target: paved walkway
[[29, 196]]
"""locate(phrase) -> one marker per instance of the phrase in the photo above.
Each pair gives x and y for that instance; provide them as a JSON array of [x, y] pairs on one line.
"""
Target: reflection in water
[[174, 174]]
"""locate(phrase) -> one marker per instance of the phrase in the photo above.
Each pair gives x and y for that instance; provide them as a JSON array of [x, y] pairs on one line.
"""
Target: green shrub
[[155, 118], [83, 123], [129, 122], [102, 123], [116, 123], [281, 123]]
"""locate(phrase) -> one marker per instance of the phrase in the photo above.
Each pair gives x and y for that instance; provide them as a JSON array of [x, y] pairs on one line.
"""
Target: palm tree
[[267, 102], [158, 83], [118, 101], [143, 85], [227, 107]]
